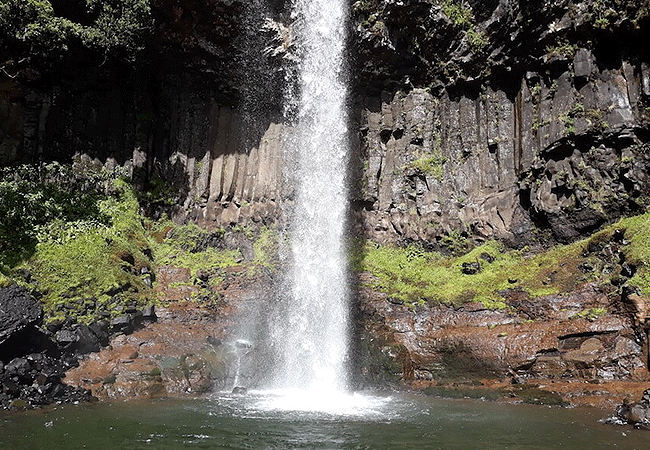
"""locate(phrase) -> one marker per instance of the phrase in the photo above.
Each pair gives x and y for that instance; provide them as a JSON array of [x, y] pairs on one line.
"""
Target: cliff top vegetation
[[33, 31]]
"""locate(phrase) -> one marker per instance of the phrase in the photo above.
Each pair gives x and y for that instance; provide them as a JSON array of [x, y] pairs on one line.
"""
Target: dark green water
[[254, 422]]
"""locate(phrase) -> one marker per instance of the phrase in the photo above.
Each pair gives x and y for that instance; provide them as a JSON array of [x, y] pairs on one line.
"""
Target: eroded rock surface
[[545, 341]]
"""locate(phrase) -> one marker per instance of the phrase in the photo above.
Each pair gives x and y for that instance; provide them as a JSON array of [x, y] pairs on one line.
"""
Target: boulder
[[637, 414], [18, 309]]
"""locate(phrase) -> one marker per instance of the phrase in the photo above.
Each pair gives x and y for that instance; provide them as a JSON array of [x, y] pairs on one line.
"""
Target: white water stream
[[312, 335]]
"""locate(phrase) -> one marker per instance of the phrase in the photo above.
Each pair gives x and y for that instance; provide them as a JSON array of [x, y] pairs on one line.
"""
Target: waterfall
[[312, 333]]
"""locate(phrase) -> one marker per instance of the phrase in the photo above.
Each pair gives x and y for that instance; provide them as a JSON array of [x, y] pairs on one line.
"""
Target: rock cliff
[[544, 126], [518, 120]]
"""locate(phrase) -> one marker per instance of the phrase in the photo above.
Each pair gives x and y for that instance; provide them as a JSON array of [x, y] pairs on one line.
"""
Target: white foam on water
[[331, 403]]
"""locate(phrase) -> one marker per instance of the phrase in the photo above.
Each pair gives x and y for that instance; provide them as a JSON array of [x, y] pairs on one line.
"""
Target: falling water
[[313, 335]]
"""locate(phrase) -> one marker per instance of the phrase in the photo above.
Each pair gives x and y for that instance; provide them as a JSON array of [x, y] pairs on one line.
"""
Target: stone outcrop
[[546, 338], [18, 310], [544, 126], [491, 119]]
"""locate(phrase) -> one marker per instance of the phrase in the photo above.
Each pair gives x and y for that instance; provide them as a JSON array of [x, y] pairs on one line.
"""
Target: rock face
[[183, 113], [490, 119], [542, 125], [637, 414], [33, 369], [487, 166], [18, 310], [472, 342]]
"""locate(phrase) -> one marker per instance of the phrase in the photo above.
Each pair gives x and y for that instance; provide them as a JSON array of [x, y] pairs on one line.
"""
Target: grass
[[418, 277]]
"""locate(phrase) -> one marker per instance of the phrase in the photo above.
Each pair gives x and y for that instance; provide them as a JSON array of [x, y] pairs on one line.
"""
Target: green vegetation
[[81, 263], [591, 313], [595, 119], [76, 236], [430, 164], [568, 118], [462, 16], [459, 14], [477, 40], [562, 48], [113, 27], [181, 247], [637, 252], [418, 277]]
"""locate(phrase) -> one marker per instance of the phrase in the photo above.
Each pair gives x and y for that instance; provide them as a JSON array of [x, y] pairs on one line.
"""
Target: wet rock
[[237, 241], [122, 323], [637, 414], [239, 390], [583, 63], [18, 368], [213, 341], [487, 257], [101, 331], [87, 340], [66, 337], [149, 313]]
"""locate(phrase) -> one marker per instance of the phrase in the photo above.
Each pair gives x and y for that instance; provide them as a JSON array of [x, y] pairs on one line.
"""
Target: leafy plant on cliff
[[462, 16], [31, 28], [459, 14], [430, 164]]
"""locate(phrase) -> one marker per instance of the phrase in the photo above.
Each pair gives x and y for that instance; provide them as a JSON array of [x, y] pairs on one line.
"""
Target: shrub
[[113, 27]]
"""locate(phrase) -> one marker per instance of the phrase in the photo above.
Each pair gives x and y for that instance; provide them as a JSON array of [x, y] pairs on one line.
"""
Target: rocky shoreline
[[186, 353]]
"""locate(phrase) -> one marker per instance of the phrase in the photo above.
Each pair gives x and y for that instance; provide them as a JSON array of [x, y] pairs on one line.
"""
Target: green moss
[[637, 252], [81, 265], [416, 276], [180, 249], [591, 313], [5, 281], [265, 249]]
